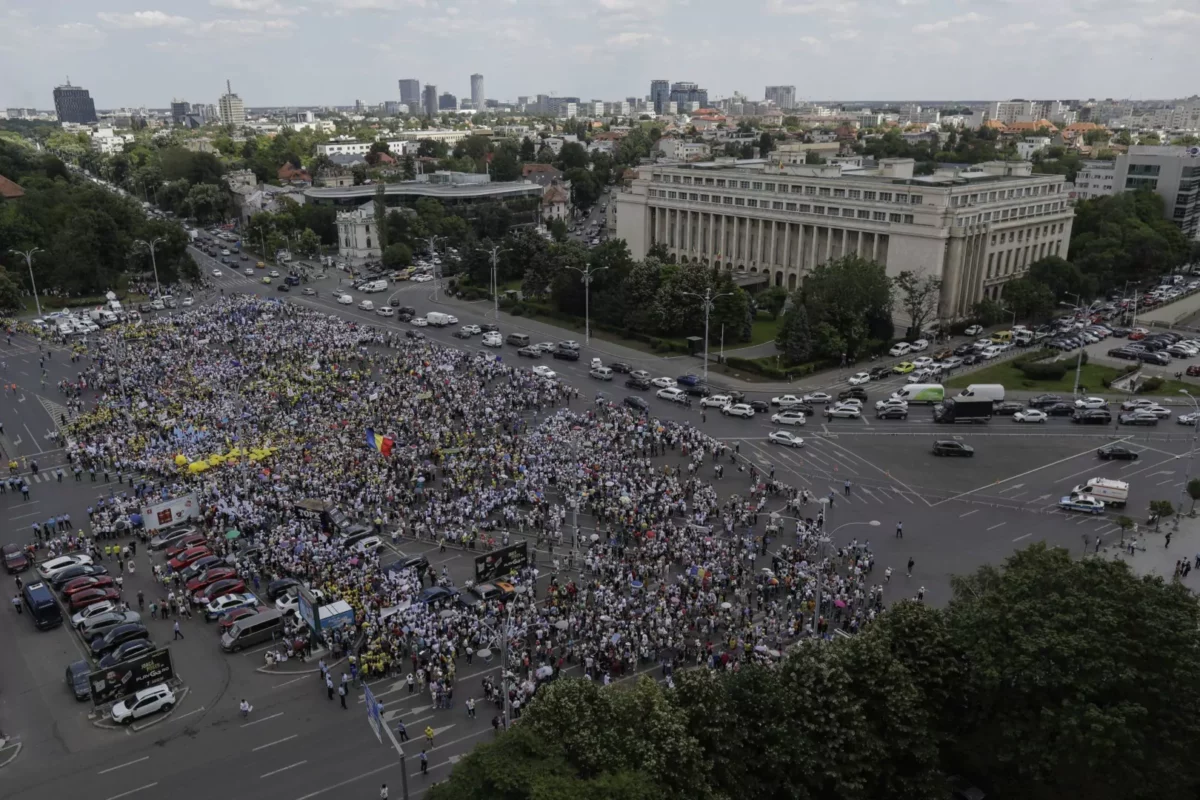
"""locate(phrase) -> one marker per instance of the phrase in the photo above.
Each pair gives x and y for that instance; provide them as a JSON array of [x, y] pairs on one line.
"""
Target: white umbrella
[[562, 624]]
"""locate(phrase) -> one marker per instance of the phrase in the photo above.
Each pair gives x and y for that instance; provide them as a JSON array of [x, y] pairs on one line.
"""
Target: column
[[771, 246], [875, 246], [787, 243], [800, 260], [859, 244], [812, 256], [845, 238], [829, 232]]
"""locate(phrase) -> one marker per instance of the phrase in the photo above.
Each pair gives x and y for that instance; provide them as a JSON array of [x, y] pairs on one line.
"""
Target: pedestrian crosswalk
[[58, 413]]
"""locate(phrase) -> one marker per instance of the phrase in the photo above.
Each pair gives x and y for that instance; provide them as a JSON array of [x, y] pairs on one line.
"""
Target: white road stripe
[[277, 741], [264, 719], [969, 513], [997, 526], [122, 766], [1022, 536], [134, 791], [283, 769]]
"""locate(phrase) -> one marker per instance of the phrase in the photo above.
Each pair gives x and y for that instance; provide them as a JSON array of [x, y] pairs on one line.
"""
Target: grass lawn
[[764, 331], [1092, 376]]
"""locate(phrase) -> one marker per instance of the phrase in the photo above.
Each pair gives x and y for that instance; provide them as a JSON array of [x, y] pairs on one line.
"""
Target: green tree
[[308, 243], [1161, 509], [397, 256], [988, 312], [794, 338], [1125, 524], [585, 191], [380, 208], [558, 229], [849, 302], [505, 164], [528, 151], [410, 167], [765, 144], [919, 297], [1029, 299], [1061, 277], [207, 202], [773, 300], [10, 292]]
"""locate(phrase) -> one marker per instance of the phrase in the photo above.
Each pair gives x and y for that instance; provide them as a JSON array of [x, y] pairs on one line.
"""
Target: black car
[[1138, 417], [404, 316], [619, 366], [1007, 409], [126, 651], [949, 447], [637, 383], [878, 373], [697, 390], [1059, 410], [1161, 359], [1044, 400], [489, 327], [1126, 353], [733, 394], [633, 401], [409, 310], [102, 645], [1116, 451], [972, 359], [413, 334], [1092, 416], [145, 307], [569, 355], [964, 350], [78, 571], [435, 594], [892, 412], [77, 679], [530, 352], [283, 287], [1121, 333], [461, 334], [854, 392], [760, 406]]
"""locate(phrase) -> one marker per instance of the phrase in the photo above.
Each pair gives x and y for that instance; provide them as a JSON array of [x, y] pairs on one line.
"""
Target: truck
[[992, 392], [437, 319], [1111, 492], [102, 317], [951, 410], [921, 393], [375, 286]]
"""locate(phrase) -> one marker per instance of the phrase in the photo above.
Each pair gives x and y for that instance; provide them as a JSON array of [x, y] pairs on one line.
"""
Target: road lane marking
[[997, 526], [348, 781], [122, 766], [264, 719], [293, 680], [1022, 536], [1010, 488], [284, 769], [272, 744], [188, 714], [969, 513], [134, 791], [1013, 477]]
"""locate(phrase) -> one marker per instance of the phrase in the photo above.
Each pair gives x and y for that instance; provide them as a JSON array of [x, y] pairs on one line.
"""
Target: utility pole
[[587, 272], [1078, 358], [708, 299], [1187, 472], [150, 245], [495, 252], [437, 268], [28, 255]]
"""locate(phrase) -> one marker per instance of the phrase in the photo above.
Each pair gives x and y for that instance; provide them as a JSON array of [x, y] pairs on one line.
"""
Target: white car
[[1091, 402], [891, 402], [900, 349], [451, 319], [919, 345], [544, 372], [422, 278], [818, 397], [249, 272], [229, 602], [493, 339], [224, 252], [974, 330], [1158, 411], [785, 438], [716, 401], [1030, 415], [274, 273], [368, 545], [143, 703], [386, 311], [367, 305], [49, 569], [674, 394], [859, 378], [1188, 419], [188, 301], [845, 410], [570, 344], [103, 607], [786, 399], [923, 362], [663, 383], [474, 330], [420, 322], [345, 299], [217, 273], [742, 410], [788, 418]]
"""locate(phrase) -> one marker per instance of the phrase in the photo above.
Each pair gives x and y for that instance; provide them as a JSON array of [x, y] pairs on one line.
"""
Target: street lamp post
[[495, 252], [1078, 358], [1187, 471], [586, 273], [150, 245], [709, 299], [437, 267], [28, 256]]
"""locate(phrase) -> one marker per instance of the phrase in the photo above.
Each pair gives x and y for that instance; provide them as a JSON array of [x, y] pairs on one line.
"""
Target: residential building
[[1095, 179], [1171, 172], [201, 144], [357, 242], [680, 150], [447, 102], [410, 92], [1031, 145], [449, 137], [179, 111], [466, 193], [782, 96], [231, 108], [350, 147], [974, 228], [107, 141], [556, 203], [74, 104], [429, 101], [393, 108], [1010, 111], [660, 93], [543, 175], [477, 98]]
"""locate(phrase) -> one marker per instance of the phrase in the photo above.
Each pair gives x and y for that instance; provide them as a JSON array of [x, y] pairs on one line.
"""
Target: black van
[[43, 608]]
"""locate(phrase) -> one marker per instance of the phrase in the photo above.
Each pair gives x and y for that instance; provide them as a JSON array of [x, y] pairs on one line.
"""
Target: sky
[[333, 52]]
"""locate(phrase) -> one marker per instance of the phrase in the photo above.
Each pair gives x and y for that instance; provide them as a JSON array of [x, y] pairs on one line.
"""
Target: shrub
[[1150, 385], [517, 310], [1053, 371]]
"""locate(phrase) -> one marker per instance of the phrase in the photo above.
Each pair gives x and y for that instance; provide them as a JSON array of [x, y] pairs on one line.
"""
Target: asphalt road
[[957, 514]]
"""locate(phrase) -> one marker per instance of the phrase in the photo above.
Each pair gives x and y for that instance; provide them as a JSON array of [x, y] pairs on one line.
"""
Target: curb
[[16, 752], [267, 671], [106, 725]]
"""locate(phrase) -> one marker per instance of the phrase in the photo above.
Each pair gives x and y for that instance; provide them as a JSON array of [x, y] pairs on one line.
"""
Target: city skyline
[[896, 49]]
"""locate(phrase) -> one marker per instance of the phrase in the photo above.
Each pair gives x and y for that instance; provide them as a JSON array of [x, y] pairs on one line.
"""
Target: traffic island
[[101, 716]]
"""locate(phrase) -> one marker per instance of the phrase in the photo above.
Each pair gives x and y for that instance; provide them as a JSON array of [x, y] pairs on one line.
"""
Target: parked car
[[143, 703]]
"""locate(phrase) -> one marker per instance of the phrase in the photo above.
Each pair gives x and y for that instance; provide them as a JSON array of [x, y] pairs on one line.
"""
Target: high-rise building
[[1172, 172], [410, 92], [429, 104], [687, 96], [447, 102], [231, 108], [74, 104], [660, 93], [1010, 111], [782, 96], [179, 110], [477, 98]]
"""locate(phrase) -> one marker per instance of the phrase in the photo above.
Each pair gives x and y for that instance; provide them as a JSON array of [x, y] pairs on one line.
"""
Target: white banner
[[172, 512]]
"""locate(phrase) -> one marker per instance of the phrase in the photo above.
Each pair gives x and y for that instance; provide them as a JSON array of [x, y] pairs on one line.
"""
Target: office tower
[[660, 93], [685, 93], [782, 96], [410, 92], [179, 111], [231, 108], [477, 98], [74, 104], [430, 101], [447, 102]]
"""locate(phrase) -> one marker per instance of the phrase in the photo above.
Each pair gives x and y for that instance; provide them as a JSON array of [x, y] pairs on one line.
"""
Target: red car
[[1193, 370], [83, 599], [15, 559], [231, 617], [1136, 336], [209, 577], [192, 540], [76, 585], [218, 589], [188, 556]]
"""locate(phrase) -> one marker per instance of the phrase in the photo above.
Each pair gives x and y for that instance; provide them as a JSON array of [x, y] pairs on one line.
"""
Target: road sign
[[374, 712]]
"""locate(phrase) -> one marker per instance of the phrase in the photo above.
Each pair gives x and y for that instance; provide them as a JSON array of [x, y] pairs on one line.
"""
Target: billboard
[[171, 512], [307, 602], [501, 562], [114, 683]]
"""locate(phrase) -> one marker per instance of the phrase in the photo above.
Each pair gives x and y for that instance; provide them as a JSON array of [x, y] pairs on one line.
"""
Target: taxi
[[266, 279], [261, 265], [1089, 505], [904, 367]]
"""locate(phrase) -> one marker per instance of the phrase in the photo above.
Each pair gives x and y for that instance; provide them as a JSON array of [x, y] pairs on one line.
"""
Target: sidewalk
[[1158, 558]]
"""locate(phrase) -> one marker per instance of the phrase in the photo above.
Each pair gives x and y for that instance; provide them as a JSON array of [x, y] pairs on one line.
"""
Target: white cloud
[[142, 19], [945, 24], [844, 35], [1082, 30], [277, 7], [229, 28], [1020, 27], [837, 7], [630, 39], [1174, 16], [347, 6], [80, 32]]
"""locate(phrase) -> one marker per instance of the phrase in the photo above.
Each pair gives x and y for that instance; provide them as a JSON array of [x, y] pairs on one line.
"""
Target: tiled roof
[[10, 190]]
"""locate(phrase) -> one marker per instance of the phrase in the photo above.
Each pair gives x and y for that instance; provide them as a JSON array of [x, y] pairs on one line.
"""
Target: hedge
[[533, 308], [1053, 371]]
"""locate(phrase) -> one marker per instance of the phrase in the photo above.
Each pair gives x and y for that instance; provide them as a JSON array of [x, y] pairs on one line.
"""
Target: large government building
[[972, 227]]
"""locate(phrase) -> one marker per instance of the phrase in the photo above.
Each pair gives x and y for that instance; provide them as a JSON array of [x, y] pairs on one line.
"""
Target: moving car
[[345, 299], [633, 401], [1093, 416], [662, 383], [386, 311], [1190, 418], [742, 410], [673, 394], [544, 372], [950, 447], [716, 401], [1030, 415], [77, 679], [892, 412], [228, 602], [974, 330], [818, 397], [904, 367], [1117, 452], [217, 273], [1089, 505], [788, 418], [1138, 417], [785, 438], [900, 349], [859, 378], [143, 703], [1091, 403], [493, 340], [847, 410], [524, 352], [1044, 400]]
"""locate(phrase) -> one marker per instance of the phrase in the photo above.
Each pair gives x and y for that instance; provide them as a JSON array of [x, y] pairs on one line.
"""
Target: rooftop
[[10, 190], [444, 191]]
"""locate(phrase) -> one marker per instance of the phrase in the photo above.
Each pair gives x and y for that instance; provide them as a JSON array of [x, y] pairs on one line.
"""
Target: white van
[[982, 391], [367, 305], [1023, 338], [921, 393], [1112, 492], [601, 373]]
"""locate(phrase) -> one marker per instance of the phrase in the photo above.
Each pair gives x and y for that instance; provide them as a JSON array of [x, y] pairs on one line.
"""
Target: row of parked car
[[1158, 348]]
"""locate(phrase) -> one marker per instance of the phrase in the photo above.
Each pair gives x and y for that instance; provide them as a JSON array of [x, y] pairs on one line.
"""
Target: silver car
[[103, 623]]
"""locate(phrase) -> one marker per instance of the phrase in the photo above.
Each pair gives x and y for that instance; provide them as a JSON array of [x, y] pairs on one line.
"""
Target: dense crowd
[[640, 562]]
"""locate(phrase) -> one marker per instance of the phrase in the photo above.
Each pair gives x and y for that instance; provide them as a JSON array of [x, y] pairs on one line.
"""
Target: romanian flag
[[382, 444]]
